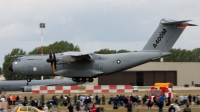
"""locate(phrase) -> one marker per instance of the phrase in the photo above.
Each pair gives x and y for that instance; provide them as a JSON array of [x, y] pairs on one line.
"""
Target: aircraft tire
[[83, 79], [73, 79], [91, 80], [28, 79], [77, 79]]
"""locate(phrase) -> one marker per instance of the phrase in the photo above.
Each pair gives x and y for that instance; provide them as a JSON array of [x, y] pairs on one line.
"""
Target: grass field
[[109, 108]]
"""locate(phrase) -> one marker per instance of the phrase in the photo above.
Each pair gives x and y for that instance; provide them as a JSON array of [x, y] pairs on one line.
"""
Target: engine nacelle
[[26, 89], [65, 59]]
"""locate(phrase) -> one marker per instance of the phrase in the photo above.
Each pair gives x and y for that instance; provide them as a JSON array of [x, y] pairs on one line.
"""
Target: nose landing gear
[[29, 80], [82, 79]]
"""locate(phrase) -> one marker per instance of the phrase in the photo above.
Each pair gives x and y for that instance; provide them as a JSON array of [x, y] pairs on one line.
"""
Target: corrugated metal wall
[[143, 78]]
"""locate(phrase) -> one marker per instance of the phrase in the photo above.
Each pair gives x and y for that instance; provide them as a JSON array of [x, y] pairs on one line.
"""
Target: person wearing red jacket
[[9, 101], [93, 109]]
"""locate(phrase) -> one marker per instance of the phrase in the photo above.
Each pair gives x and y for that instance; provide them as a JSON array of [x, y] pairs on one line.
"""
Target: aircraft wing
[[82, 57], [69, 57]]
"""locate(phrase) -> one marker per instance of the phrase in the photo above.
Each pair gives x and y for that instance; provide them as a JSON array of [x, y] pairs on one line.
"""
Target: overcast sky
[[93, 24]]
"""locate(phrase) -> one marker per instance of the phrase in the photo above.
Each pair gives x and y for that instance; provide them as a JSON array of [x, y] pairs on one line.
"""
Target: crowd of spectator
[[86, 103]]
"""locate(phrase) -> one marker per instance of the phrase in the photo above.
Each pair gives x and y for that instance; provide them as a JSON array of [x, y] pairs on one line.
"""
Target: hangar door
[[140, 78]]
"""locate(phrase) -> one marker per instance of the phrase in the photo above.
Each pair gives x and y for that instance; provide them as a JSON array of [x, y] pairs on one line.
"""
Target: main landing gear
[[29, 79], [82, 79]]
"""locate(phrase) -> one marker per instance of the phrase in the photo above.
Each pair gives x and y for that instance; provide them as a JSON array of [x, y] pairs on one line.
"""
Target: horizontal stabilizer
[[173, 22], [166, 35]]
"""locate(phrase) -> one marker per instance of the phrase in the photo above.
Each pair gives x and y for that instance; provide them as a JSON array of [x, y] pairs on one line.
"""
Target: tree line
[[177, 55]]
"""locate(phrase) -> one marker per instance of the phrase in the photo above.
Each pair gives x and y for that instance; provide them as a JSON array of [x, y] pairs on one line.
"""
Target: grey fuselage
[[101, 64], [17, 85]]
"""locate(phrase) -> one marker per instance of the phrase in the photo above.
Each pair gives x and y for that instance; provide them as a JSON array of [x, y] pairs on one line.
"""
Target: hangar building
[[179, 73]]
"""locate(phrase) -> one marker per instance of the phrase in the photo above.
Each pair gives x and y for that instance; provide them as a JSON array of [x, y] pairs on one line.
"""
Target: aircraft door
[[100, 67], [30, 69]]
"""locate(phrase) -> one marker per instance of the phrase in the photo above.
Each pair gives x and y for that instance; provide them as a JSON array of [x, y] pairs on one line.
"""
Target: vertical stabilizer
[[166, 35]]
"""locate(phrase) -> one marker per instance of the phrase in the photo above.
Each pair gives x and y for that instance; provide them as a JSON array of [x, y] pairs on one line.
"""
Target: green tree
[[123, 51], [57, 47], [8, 60], [105, 51]]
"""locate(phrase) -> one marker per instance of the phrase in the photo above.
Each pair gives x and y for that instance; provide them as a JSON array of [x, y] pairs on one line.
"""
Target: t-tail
[[166, 35]]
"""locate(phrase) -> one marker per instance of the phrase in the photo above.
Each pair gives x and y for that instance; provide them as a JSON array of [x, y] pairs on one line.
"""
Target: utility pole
[[42, 25]]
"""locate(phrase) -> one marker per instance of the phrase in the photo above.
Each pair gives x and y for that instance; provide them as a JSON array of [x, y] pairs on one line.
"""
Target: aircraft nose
[[10, 67]]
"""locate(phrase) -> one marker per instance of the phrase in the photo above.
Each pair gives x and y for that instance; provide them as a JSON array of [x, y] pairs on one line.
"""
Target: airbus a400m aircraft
[[85, 66]]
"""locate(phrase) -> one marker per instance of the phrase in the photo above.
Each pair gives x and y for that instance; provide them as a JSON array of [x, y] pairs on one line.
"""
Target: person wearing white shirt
[[177, 108], [46, 109], [181, 98], [3, 99]]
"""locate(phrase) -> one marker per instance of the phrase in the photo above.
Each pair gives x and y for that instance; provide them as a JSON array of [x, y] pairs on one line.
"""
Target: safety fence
[[55, 89], [109, 89], [88, 89]]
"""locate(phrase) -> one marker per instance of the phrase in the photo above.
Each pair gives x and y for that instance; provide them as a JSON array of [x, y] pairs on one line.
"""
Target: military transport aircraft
[[85, 66], [17, 85]]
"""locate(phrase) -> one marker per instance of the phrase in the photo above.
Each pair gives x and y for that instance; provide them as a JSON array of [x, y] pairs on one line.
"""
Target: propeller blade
[[55, 63], [53, 68], [50, 54]]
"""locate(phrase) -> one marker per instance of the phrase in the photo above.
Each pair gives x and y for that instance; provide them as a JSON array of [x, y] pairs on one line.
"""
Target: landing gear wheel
[[83, 79], [74, 79], [29, 79], [77, 79], [91, 80]]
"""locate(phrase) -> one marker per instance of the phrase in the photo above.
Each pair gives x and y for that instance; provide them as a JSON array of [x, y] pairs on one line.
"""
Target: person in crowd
[[103, 100], [139, 99], [185, 99], [111, 101], [78, 105], [171, 108], [190, 98], [46, 109], [194, 98], [169, 100], [36, 102], [198, 99], [115, 103], [9, 101], [17, 98], [150, 103], [70, 108], [75, 98], [97, 99], [55, 104], [3, 99], [177, 108], [187, 109], [181, 98], [14, 99], [160, 105], [134, 101], [93, 108], [129, 106], [82, 108]]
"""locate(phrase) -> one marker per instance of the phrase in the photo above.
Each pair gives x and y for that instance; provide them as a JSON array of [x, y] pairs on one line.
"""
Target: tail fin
[[166, 35]]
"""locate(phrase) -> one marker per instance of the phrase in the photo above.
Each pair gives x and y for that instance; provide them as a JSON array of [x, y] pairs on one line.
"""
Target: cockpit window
[[18, 60]]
